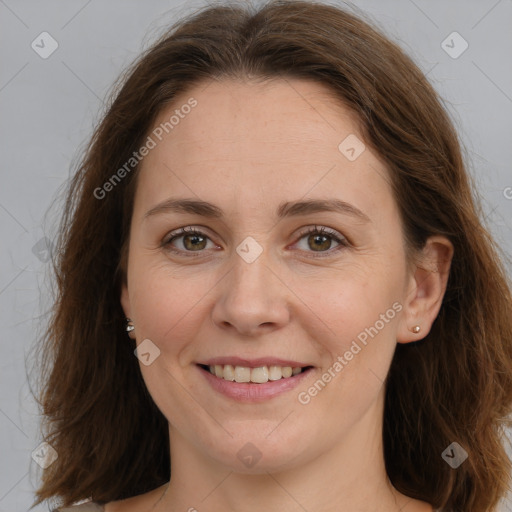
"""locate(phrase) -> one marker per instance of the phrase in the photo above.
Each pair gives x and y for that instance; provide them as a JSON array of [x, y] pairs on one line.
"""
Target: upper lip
[[252, 363]]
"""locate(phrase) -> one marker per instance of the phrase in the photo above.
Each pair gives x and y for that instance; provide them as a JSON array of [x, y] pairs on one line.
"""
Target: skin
[[246, 147]]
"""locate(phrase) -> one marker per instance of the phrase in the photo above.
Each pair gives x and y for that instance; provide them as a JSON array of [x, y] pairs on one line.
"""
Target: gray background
[[49, 107]]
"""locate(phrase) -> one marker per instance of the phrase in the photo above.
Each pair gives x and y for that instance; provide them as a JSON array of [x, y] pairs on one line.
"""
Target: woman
[[275, 292]]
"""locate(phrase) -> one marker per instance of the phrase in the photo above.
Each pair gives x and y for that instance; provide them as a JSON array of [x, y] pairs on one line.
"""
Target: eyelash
[[343, 242]]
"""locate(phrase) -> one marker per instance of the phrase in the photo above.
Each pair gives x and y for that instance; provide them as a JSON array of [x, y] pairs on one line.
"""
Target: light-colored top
[[95, 507], [84, 507]]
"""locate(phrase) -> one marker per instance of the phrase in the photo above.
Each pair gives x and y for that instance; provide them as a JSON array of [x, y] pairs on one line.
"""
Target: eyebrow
[[286, 209]]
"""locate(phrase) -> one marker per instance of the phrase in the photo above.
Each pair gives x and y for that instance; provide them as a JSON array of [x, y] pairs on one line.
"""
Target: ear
[[426, 288], [125, 304]]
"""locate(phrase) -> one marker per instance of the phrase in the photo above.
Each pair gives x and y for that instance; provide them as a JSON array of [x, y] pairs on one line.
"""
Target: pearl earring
[[129, 325], [416, 329]]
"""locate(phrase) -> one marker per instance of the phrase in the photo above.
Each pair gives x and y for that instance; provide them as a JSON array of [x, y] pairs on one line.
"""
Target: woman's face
[[254, 289]]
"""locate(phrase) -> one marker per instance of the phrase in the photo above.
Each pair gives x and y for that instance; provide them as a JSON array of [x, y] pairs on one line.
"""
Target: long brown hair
[[454, 386]]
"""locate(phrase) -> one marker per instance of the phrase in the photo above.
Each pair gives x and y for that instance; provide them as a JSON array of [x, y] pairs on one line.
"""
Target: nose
[[252, 298]]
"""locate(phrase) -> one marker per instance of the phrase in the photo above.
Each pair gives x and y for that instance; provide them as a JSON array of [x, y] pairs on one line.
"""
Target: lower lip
[[251, 392]]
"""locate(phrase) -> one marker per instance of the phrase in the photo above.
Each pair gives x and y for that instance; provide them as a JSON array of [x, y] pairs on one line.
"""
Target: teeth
[[229, 373], [274, 373], [258, 375], [287, 371], [242, 374]]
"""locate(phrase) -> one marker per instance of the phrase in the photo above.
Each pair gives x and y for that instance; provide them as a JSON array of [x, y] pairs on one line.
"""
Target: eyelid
[[323, 230], [183, 231], [342, 241]]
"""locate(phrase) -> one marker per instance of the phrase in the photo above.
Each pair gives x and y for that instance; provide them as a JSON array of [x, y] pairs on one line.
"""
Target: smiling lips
[[257, 371], [253, 380], [258, 375]]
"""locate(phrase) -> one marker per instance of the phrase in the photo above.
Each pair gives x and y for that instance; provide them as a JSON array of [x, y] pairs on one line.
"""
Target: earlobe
[[427, 286], [125, 304]]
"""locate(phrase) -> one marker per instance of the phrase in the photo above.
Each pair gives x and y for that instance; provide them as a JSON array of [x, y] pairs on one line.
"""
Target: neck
[[347, 476]]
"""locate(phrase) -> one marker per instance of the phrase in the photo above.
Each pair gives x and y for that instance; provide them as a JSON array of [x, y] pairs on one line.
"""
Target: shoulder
[[137, 503], [133, 504], [84, 507]]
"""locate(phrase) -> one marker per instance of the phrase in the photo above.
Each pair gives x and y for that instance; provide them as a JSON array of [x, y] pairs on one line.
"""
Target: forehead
[[275, 112], [258, 141]]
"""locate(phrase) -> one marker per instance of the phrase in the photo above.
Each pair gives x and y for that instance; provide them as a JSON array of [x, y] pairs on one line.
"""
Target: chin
[[251, 454]]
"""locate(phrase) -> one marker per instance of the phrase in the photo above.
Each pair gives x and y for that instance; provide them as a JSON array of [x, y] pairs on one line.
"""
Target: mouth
[[254, 375], [253, 381]]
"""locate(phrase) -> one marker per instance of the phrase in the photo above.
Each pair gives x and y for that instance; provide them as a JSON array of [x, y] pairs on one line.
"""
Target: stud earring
[[416, 329], [129, 325]]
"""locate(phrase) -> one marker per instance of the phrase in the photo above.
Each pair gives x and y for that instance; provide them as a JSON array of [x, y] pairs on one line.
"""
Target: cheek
[[355, 323], [359, 346], [351, 299], [166, 305], [167, 309]]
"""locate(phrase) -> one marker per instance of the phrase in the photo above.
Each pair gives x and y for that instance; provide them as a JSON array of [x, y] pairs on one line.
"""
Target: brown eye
[[192, 241], [320, 240]]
